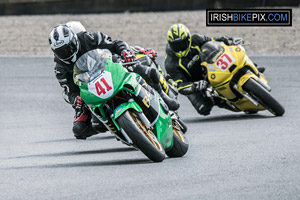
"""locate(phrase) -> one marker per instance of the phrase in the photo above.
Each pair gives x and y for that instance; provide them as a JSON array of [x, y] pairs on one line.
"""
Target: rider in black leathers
[[182, 63], [68, 46]]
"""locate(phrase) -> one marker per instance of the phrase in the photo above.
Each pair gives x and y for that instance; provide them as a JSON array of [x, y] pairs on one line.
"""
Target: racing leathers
[[188, 73], [85, 124]]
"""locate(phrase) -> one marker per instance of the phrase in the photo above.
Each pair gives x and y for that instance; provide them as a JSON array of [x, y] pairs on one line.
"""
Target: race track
[[231, 155]]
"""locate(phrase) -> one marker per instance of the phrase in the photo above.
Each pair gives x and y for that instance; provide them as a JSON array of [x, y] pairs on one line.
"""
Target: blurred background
[[20, 7], [26, 24]]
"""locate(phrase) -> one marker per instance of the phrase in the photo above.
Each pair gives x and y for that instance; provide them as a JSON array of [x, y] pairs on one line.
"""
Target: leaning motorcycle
[[234, 78], [130, 108]]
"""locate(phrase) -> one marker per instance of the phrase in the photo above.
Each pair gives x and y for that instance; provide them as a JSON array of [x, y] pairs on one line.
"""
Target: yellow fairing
[[244, 104], [220, 76]]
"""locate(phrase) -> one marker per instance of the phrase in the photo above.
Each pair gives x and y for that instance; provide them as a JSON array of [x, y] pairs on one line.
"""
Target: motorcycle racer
[[68, 42], [182, 63]]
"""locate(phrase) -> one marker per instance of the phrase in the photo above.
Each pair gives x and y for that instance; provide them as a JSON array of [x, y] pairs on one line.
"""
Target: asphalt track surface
[[231, 155]]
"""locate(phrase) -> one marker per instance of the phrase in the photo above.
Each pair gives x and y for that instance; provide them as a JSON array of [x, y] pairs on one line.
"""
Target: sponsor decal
[[146, 99], [118, 110], [211, 68]]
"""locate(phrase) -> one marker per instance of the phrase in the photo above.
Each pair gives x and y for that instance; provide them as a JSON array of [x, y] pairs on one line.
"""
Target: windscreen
[[91, 64], [211, 51]]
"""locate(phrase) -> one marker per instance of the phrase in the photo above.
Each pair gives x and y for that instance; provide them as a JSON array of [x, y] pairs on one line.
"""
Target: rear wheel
[[142, 138], [180, 144], [264, 97]]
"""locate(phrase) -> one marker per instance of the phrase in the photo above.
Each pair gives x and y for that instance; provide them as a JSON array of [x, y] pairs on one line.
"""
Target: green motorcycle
[[131, 109]]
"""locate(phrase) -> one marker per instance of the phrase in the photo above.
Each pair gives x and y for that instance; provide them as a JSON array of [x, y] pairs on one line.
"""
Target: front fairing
[[100, 86], [108, 84], [222, 70]]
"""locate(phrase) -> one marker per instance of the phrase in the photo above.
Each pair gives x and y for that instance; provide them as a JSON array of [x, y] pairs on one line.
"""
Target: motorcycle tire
[[264, 97], [143, 139], [180, 144]]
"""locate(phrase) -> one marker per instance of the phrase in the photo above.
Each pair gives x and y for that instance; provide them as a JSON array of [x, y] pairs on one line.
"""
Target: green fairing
[[125, 106], [120, 78], [163, 128]]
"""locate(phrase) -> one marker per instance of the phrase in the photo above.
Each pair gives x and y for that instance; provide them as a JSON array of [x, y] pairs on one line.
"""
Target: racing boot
[[173, 104], [201, 103], [204, 109], [82, 127]]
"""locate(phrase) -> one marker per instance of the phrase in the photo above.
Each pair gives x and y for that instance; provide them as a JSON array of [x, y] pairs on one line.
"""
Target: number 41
[[100, 90]]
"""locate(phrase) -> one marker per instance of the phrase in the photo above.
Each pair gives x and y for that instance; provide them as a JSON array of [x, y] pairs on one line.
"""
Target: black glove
[[238, 41], [78, 105], [200, 86], [232, 41], [226, 40]]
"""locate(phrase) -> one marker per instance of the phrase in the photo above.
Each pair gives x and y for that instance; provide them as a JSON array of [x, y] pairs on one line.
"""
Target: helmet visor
[[67, 51], [180, 45]]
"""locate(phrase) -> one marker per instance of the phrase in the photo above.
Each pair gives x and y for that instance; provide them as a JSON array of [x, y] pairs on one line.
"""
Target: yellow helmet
[[179, 39]]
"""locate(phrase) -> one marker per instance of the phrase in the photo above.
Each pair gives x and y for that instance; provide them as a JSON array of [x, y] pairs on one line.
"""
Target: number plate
[[225, 61], [102, 86]]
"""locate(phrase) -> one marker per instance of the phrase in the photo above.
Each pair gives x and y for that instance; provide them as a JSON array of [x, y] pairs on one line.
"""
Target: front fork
[[261, 80], [126, 139], [177, 120]]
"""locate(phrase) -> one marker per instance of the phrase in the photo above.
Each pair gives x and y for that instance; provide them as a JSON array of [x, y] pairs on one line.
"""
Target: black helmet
[[64, 43], [211, 51]]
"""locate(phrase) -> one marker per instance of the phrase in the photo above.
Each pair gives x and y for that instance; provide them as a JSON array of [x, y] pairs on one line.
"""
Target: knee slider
[[82, 130]]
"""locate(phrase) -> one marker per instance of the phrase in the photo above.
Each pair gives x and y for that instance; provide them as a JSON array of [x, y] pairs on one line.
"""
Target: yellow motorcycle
[[234, 78]]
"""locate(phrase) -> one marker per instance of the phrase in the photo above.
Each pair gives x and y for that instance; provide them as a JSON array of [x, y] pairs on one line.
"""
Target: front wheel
[[264, 97], [180, 144], [141, 137]]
